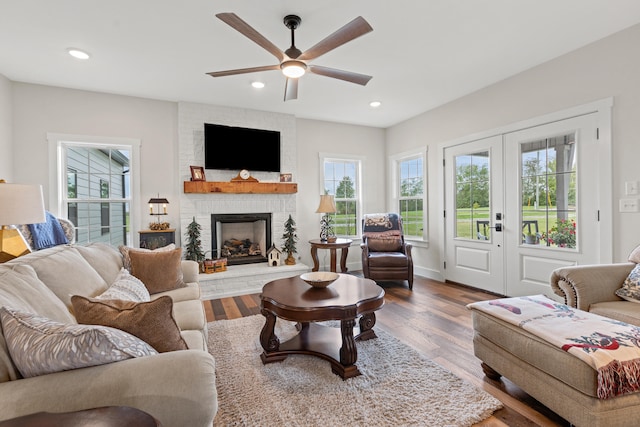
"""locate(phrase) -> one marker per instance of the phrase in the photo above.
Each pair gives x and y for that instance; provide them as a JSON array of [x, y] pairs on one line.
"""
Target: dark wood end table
[[344, 300], [342, 244]]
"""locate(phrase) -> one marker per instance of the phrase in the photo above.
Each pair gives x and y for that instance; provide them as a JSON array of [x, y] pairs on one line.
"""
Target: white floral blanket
[[609, 346]]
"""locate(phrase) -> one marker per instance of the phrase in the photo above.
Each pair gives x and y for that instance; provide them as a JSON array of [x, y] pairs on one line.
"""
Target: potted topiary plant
[[290, 239], [193, 249]]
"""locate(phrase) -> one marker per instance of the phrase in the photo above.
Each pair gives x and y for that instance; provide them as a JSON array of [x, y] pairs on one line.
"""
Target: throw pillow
[[630, 289], [385, 245], [126, 250], [41, 346], [160, 271], [126, 287], [152, 321]]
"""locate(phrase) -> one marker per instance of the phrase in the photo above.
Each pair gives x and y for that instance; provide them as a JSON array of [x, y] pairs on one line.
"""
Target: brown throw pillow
[[159, 270], [385, 245], [151, 321]]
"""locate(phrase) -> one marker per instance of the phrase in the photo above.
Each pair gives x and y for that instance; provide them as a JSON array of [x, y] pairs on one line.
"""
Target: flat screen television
[[237, 148]]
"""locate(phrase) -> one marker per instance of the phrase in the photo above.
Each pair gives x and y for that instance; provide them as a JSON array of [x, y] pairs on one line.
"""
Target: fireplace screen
[[241, 238]]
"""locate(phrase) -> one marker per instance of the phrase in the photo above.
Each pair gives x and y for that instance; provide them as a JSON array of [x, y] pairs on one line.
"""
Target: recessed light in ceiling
[[77, 53], [375, 104], [257, 85]]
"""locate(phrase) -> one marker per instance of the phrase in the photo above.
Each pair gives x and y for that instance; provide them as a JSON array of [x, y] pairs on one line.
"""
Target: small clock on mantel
[[244, 175]]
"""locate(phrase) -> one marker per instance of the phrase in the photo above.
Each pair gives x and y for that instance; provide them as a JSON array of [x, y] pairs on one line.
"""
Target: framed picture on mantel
[[285, 177], [197, 173]]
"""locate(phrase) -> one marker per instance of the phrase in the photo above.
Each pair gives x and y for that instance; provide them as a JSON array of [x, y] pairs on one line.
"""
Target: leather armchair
[[385, 254]]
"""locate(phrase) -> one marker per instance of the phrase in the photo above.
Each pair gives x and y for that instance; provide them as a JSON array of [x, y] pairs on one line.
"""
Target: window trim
[[57, 185], [359, 160], [394, 168]]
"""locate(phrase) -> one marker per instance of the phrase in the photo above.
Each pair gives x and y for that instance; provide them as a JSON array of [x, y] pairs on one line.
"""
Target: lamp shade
[[327, 204], [21, 204]]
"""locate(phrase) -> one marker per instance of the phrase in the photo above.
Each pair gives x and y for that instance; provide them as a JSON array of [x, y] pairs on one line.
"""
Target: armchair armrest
[[584, 285]]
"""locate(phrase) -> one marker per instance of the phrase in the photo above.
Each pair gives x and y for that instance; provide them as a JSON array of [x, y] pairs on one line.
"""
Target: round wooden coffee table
[[343, 300]]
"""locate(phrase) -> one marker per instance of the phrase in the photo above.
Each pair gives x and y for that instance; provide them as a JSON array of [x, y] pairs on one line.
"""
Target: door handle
[[498, 227]]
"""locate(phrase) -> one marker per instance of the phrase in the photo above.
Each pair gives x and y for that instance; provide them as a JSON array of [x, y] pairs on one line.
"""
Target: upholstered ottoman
[[557, 379]]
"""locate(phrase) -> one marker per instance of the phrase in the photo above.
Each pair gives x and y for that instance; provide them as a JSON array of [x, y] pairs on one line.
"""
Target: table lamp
[[327, 206], [19, 204]]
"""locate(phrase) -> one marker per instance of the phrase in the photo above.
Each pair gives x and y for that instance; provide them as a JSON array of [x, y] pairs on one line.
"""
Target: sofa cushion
[[159, 270], [624, 311], [105, 259], [152, 321], [126, 251], [41, 346], [126, 287], [65, 272]]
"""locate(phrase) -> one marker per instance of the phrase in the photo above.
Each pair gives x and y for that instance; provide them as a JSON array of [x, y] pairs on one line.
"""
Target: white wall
[[315, 137], [6, 130], [40, 109], [607, 68]]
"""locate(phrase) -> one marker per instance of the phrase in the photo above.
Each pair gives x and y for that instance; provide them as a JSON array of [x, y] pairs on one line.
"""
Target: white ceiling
[[421, 54]]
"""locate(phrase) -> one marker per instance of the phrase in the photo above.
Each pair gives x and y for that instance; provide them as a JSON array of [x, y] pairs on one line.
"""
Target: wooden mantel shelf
[[240, 187]]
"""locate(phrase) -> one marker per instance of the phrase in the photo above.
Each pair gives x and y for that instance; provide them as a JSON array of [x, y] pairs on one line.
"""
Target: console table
[[342, 244]]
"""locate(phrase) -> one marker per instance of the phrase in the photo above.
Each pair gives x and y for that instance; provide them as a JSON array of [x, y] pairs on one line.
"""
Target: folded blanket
[[48, 233], [611, 347], [381, 226]]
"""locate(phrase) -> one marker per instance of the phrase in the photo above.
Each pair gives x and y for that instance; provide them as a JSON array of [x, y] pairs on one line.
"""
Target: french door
[[474, 192], [520, 204]]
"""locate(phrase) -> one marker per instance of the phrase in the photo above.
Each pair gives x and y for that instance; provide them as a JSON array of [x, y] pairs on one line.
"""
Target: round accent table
[[344, 300], [342, 244]]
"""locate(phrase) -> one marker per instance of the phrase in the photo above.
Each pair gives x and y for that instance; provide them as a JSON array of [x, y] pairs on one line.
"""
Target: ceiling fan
[[293, 62]]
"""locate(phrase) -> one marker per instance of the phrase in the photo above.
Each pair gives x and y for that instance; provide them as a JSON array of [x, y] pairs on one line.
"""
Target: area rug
[[398, 386]]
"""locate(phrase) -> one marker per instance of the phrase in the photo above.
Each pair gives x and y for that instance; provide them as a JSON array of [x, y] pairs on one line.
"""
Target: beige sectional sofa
[[176, 387], [552, 376]]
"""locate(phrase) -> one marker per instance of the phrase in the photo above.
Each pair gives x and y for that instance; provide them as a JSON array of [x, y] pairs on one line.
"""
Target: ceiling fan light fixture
[[293, 69]]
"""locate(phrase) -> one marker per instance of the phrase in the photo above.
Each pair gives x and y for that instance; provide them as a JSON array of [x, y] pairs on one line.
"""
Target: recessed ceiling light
[[257, 85], [77, 53], [375, 104]]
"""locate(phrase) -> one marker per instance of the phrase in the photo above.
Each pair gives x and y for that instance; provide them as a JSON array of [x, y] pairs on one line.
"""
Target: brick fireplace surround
[[238, 279]]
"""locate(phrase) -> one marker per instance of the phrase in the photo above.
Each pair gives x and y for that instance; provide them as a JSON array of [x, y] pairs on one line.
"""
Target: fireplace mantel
[[240, 187]]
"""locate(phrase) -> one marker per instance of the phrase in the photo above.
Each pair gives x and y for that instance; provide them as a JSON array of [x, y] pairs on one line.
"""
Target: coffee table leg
[[268, 339], [367, 322], [348, 351]]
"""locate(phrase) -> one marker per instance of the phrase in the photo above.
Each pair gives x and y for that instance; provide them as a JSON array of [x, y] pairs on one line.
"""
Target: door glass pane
[[548, 192], [473, 209]]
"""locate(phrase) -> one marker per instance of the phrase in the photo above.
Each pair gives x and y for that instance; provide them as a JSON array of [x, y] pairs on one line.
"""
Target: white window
[[341, 178], [94, 190], [410, 191]]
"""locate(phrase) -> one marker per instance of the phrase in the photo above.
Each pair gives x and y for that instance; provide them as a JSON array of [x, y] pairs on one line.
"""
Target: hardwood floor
[[433, 319]]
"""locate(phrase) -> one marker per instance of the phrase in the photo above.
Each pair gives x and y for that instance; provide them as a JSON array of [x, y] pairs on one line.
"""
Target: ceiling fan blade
[[347, 76], [350, 31], [291, 89], [247, 30], [243, 71]]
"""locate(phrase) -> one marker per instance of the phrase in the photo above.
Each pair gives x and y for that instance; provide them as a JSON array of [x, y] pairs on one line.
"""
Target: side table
[[342, 244]]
